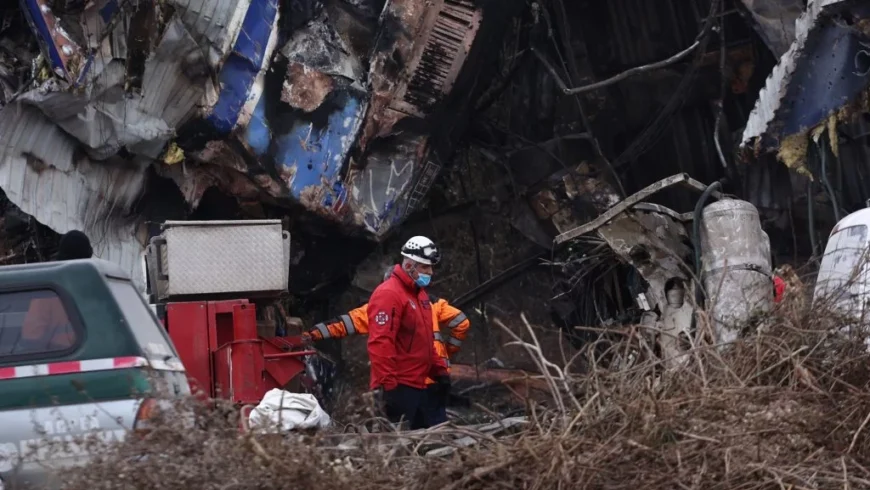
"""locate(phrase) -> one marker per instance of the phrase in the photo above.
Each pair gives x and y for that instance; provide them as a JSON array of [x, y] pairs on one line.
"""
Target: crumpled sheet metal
[[304, 132], [775, 22], [393, 183], [421, 50], [320, 48], [241, 76], [294, 144], [105, 118], [797, 95], [41, 175], [216, 24], [311, 152], [654, 244], [65, 57], [95, 103]]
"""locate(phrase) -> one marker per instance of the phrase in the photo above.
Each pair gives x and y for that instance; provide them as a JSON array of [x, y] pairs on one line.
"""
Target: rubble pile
[[344, 110], [786, 408]]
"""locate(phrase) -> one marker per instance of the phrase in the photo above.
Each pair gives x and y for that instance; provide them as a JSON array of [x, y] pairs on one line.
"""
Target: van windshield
[[840, 274]]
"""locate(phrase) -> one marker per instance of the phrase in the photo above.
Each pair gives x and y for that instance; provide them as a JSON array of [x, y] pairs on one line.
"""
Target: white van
[[843, 273]]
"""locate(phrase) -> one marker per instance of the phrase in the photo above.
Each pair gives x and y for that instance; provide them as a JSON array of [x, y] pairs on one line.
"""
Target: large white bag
[[282, 411]]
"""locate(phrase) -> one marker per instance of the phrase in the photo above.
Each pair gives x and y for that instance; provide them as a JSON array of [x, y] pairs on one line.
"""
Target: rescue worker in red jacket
[[401, 343], [449, 327]]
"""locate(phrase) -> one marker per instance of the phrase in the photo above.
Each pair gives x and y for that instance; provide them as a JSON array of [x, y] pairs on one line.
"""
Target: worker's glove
[[443, 383]]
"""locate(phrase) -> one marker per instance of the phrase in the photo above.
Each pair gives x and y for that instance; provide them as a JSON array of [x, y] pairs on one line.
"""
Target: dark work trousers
[[436, 404], [409, 404]]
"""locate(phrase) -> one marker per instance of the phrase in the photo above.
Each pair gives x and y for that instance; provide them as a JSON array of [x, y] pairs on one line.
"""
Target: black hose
[[696, 237], [811, 218], [823, 154]]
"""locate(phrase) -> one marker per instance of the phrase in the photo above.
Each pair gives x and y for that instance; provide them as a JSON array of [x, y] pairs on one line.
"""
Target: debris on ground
[[280, 410], [256, 101], [571, 158], [786, 407]]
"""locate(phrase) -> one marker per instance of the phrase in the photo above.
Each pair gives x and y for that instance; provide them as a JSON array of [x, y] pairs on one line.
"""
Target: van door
[[842, 282], [151, 336]]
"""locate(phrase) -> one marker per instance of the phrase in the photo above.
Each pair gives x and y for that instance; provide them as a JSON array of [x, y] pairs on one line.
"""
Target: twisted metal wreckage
[[349, 110], [807, 118], [266, 101]]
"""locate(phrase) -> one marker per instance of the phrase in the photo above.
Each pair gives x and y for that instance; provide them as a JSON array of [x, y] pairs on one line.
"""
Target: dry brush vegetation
[[786, 408]]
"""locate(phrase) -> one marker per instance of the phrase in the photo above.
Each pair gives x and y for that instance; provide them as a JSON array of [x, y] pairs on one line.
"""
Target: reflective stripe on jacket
[[449, 326]]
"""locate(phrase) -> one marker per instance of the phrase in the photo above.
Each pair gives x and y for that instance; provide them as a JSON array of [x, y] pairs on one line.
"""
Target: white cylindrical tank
[[736, 270]]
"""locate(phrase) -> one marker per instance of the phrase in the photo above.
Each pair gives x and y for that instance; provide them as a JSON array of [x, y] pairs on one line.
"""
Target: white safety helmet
[[421, 249]]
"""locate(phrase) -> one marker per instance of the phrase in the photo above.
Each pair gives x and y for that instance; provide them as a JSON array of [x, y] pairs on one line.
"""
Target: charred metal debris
[[345, 110], [345, 114]]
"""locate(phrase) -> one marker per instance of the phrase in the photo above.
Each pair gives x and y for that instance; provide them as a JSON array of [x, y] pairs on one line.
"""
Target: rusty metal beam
[[629, 202], [510, 377]]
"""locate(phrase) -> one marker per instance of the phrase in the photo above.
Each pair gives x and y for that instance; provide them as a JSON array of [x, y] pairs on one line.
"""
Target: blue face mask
[[423, 280]]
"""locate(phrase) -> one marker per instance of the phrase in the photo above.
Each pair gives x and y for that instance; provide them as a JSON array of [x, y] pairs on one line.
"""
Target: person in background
[[401, 343], [74, 245], [449, 326], [46, 326]]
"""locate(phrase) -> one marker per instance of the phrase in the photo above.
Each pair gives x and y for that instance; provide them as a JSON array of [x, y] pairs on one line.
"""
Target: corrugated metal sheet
[[105, 120], [39, 175], [771, 97], [215, 24]]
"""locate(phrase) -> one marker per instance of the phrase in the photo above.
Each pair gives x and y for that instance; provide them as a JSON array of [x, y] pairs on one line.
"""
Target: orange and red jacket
[[449, 327], [401, 343]]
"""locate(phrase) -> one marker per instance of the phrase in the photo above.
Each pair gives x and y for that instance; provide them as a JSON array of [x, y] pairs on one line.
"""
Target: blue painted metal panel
[[39, 26], [244, 64], [318, 151], [310, 150], [257, 134], [109, 10], [834, 67]]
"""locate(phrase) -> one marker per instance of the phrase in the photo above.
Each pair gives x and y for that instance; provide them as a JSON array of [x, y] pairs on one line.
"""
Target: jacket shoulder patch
[[382, 318]]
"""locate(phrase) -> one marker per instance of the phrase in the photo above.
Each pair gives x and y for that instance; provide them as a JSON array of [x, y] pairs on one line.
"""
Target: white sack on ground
[[285, 411]]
